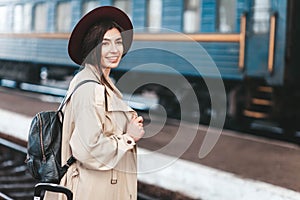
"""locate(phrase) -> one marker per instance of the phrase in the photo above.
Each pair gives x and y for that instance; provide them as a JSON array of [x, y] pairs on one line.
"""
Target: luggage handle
[[51, 187]]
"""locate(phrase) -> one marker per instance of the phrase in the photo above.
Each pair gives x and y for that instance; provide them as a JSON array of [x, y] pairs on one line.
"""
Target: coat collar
[[114, 98]]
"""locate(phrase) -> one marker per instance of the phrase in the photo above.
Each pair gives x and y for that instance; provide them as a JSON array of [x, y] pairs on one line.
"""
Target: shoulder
[[88, 93], [90, 88]]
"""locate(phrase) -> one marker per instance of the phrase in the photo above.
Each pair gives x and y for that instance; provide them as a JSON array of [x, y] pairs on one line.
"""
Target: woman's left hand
[[135, 128]]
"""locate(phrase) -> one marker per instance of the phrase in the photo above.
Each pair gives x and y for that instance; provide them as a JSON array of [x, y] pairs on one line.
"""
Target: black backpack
[[44, 144]]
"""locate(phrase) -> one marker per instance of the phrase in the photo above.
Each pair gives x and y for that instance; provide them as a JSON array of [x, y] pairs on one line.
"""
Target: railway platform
[[240, 166]]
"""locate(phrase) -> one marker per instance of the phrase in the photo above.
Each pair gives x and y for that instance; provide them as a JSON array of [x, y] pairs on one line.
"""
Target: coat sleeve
[[88, 143]]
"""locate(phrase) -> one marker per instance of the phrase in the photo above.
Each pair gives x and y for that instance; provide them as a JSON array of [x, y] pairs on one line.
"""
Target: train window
[[226, 16], [154, 15], [3, 19], [22, 18], [261, 16], [125, 5], [40, 17], [191, 16], [88, 6], [63, 16]]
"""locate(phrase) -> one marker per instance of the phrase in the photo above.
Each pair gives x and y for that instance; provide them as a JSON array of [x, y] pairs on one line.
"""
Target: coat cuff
[[128, 140]]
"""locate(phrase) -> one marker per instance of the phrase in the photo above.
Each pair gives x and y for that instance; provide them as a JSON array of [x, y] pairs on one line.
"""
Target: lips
[[112, 58]]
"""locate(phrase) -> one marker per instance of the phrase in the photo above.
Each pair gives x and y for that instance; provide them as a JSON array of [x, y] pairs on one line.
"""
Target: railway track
[[15, 181]]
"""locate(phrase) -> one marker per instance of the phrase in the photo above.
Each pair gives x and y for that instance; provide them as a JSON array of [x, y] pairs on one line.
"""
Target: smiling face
[[112, 49]]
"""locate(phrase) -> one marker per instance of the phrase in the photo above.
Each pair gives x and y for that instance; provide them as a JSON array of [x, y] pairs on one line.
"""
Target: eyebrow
[[109, 39]]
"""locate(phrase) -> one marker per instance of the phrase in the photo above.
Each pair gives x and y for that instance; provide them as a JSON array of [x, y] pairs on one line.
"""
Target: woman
[[99, 129]]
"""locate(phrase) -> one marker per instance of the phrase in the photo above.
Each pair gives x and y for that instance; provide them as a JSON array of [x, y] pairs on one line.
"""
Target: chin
[[113, 65]]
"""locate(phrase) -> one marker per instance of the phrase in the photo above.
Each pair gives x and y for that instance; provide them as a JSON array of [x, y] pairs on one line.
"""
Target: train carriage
[[252, 43]]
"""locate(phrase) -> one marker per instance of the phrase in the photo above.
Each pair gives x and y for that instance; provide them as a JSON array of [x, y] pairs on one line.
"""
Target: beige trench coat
[[94, 131]]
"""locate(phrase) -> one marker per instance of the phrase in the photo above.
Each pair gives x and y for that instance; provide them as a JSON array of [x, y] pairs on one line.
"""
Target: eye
[[105, 43], [119, 42]]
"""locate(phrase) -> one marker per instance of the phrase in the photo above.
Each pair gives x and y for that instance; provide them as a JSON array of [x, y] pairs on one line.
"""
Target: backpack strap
[[65, 168], [67, 98]]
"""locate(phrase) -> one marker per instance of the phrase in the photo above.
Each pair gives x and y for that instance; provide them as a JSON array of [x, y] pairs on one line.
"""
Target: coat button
[[129, 141]]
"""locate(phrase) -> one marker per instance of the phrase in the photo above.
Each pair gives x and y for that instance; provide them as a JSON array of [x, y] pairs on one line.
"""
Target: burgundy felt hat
[[93, 17]]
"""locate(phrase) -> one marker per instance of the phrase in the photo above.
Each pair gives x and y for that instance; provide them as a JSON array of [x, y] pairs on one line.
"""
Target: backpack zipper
[[41, 138]]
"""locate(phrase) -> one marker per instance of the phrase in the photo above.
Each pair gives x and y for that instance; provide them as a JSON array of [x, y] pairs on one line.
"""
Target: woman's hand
[[135, 128]]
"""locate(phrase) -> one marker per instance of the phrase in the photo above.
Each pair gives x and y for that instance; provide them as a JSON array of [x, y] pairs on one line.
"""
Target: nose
[[113, 48]]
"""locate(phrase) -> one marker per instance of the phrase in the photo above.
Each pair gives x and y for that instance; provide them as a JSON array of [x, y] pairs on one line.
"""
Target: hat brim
[[90, 19]]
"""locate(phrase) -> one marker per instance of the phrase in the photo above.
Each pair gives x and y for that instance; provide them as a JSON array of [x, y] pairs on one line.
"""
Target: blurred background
[[253, 43]]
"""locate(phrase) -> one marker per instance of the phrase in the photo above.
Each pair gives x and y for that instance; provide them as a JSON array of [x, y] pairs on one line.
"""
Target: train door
[[265, 58]]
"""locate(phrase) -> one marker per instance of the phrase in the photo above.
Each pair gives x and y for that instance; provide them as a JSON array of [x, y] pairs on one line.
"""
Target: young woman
[[99, 129]]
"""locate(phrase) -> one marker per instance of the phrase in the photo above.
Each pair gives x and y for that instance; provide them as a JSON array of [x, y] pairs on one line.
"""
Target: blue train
[[251, 45]]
